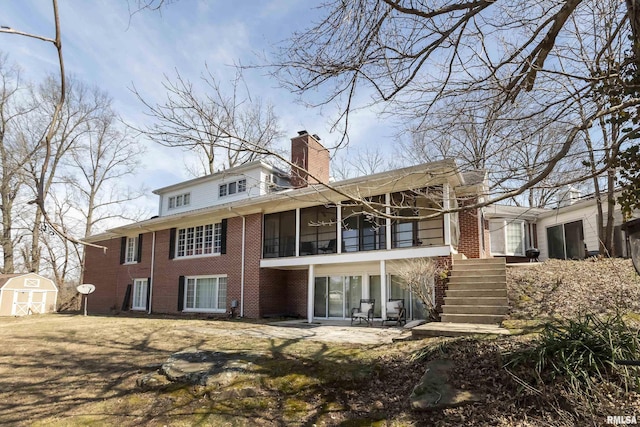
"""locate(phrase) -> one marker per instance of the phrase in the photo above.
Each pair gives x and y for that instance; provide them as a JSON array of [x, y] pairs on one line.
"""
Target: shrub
[[579, 354]]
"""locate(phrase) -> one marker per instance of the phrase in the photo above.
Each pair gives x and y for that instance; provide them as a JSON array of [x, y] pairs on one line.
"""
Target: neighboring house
[[569, 231], [24, 294], [265, 242]]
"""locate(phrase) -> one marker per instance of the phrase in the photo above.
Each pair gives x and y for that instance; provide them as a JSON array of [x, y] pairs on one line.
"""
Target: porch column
[[387, 220], [310, 285], [383, 289], [339, 230], [297, 232], [446, 217]]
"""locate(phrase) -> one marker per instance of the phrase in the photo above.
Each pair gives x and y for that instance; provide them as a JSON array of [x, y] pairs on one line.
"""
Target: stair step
[[476, 301], [479, 261], [477, 279], [477, 287], [475, 309], [479, 272], [486, 319], [469, 293]]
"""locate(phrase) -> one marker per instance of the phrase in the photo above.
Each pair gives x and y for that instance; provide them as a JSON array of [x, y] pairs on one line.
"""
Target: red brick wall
[[297, 294], [111, 278], [266, 291], [469, 243], [313, 159], [441, 285]]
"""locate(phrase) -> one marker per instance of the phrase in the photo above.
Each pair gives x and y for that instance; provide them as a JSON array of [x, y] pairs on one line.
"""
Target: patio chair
[[364, 311], [396, 312]]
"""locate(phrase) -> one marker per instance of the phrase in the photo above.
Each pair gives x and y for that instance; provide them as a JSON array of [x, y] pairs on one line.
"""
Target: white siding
[[588, 214], [205, 194]]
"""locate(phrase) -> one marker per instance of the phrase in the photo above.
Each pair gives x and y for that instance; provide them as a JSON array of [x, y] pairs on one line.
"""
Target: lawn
[[74, 370], [71, 370]]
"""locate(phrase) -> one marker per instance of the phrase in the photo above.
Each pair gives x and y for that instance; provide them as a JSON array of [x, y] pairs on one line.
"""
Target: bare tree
[[362, 161], [215, 126], [82, 105], [418, 276], [97, 172], [13, 156], [44, 142], [418, 57]]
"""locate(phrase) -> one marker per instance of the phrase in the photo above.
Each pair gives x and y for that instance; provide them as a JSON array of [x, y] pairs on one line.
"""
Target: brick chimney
[[310, 158]]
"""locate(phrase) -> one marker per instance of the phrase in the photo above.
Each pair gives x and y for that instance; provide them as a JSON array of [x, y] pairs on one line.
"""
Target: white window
[[131, 253], [200, 240], [140, 292], [179, 200], [507, 237], [234, 187], [206, 294]]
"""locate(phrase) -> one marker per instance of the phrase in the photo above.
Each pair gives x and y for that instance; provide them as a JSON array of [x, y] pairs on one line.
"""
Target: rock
[[152, 381], [208, 368], [434, 390]]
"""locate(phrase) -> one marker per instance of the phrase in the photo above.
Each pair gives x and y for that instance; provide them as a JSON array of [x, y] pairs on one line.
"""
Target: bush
[[580, 354]]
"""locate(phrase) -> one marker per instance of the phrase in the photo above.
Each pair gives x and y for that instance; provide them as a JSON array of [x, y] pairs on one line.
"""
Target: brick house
[[264, 242]]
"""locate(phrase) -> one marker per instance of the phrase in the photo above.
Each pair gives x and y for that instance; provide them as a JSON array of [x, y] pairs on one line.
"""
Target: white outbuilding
[[23, 294]]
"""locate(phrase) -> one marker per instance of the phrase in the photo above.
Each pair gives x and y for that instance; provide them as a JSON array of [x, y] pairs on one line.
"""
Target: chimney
[[311, 160]]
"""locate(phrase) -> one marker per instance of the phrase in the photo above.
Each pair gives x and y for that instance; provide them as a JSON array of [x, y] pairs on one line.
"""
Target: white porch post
[[383, 289], [297, 232], [310, 285], [446, 217], [387, 221], [339, 230]]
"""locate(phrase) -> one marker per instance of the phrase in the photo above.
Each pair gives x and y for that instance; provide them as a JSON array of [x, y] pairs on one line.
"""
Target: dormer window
[[179, 201], [230, 188]]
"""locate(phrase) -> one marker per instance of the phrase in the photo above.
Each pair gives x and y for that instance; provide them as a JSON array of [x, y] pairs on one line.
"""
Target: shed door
[[28, 302]]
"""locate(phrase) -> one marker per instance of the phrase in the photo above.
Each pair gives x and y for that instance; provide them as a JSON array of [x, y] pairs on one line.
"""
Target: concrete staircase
[[477, 292]]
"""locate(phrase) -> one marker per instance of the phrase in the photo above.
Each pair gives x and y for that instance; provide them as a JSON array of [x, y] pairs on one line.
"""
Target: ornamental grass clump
[[580, 354]]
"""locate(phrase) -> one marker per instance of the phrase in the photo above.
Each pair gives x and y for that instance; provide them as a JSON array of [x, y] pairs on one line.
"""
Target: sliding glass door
[[334, 296]]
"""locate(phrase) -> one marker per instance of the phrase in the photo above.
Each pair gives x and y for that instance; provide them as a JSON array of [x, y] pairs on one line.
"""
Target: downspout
[[242, 259], [153, 262], [244, 222]]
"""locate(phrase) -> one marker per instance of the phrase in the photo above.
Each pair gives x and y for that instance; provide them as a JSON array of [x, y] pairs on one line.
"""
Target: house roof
[[431, 173], [508, 211], [214, 176]]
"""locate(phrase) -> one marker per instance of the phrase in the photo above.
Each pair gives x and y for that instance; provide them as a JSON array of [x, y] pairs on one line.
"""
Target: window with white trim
[[131, 251], [199, 240], [206, 294], [180, 200], [507, 237], [231, 188]]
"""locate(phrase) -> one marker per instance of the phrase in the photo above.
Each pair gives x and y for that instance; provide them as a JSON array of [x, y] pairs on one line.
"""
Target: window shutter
[[126, 303], [180, 293], [139, 254], [148, 292], [123, 249], [172, 243], [223, 237]]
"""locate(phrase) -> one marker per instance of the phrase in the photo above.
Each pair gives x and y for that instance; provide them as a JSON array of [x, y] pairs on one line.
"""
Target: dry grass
[[557, 288], [75, 370], [70, 370]]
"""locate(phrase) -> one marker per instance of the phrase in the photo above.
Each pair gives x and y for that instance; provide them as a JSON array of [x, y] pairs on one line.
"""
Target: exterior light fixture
[[632, 229]]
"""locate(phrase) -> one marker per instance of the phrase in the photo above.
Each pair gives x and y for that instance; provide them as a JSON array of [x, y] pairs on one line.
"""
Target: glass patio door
[[334, 296], [139, 294]]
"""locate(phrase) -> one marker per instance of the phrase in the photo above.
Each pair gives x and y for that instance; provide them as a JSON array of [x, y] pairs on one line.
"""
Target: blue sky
[[105, 46]]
